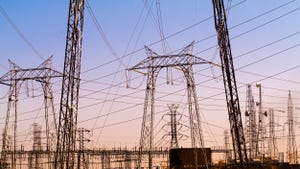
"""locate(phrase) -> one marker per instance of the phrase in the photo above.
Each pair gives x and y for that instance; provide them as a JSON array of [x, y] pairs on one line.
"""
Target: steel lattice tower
[[261, 130], [14, 89], [14, 79], [250, 123], [291, 145], [67, 126], [173, 113], [272, 145], [154, 63], [233, 105]]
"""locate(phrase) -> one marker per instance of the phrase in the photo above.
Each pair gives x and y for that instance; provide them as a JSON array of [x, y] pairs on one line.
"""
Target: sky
[[264, 42]]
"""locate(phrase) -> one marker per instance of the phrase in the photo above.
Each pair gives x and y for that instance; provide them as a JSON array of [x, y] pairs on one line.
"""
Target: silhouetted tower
[[250, 123], [154, 63], [66, 137], [227, 146], [173, 113], [83, 159], [272, 145], [291, 145], [261, 132], [233, 105]]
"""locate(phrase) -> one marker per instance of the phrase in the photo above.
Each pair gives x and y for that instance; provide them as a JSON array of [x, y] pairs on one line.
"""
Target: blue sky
[[265, 39]]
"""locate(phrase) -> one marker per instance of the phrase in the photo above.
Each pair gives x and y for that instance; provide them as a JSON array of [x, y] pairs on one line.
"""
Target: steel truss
[[154, 63], [14, 79], [250, 124], [67, 125], [291, 142], [232, 99]]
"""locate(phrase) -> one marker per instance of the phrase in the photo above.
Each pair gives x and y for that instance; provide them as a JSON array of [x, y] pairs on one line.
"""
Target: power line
[[211, 36], [266, 45], [19, 32], [102, 34], [223, 92], [262, 59], [156, 42]]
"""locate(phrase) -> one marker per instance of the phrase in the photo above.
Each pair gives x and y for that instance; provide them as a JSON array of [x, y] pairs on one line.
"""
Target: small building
[[190, 158]]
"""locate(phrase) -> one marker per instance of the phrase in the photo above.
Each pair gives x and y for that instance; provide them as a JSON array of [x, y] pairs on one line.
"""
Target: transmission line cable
[[19, 32], [200, 22]]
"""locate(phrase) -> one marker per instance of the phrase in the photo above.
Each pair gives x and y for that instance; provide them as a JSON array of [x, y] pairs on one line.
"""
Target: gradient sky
[[265, 45]]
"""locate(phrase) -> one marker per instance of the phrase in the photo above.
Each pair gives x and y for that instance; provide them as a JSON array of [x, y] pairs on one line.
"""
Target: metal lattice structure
[[173, 114], [250, 124], [116, 157], [83, 159], [14, 79], [234, 111], [154, 63], [36, 146], [272, 144], [67, 126], [261, 130], [291, 144], [226, 145]]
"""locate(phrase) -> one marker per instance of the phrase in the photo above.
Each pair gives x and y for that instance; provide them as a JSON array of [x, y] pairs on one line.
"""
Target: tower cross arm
[[29, 74], [183, 58], [169, 61]]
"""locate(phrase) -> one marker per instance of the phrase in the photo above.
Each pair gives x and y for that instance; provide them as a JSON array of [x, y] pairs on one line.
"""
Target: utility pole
[[67, 125], [232, 99], [291, 149], [250, 123], [154, 63]]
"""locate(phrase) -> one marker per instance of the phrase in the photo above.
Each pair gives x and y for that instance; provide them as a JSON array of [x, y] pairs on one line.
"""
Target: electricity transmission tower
[[67, 126], [14, 79], [173, 113], [291, 145], [234, 111], [154, 63], [250, 123], [272, 145], [174, 125]]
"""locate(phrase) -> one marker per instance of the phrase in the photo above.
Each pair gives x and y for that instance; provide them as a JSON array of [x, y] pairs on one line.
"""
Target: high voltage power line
[[116, 96]]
